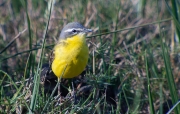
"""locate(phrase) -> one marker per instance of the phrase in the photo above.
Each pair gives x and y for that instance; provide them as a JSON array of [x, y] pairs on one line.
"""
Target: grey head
[[72, 29]]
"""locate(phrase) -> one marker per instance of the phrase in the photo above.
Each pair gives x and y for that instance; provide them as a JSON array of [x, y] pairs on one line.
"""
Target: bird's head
[[72, 29]]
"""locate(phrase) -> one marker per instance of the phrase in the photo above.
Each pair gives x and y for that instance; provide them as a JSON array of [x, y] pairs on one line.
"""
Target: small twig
[[131, 59], [12, 40], [93, 63], [20, 82], [120, 30], [92, 16], [173, 107]]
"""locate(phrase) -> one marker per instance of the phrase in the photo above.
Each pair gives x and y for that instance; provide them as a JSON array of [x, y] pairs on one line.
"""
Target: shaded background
[[117, 63]]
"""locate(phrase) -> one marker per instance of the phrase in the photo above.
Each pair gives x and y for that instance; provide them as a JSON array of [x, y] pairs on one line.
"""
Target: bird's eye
[[74, 31]]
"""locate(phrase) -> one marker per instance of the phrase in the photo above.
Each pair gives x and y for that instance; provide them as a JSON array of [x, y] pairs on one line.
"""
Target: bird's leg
[[73, 92], [59, 90]]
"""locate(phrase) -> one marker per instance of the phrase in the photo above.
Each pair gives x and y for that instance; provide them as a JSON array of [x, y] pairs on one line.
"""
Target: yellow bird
[[70, 54]]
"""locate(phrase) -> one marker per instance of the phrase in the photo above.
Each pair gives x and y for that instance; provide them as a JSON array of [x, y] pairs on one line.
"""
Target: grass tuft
[[133, 62]]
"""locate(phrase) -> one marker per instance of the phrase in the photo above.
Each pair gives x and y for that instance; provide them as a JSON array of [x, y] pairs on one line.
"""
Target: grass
[[133, 65]]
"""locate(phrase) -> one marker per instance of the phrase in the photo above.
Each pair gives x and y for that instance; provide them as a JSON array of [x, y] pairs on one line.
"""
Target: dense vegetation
[[133, 65]]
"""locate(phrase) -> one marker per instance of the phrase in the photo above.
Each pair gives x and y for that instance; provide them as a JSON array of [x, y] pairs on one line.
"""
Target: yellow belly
[[70, 57]]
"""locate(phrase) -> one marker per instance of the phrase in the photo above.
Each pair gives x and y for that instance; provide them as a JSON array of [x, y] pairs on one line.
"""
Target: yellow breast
[[70, 56]]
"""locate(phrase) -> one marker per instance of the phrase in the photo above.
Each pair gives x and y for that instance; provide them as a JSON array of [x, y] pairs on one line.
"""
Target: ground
[[133, 65]]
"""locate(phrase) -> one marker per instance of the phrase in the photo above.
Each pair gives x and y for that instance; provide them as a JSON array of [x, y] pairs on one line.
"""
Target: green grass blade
[[170, 77], [149, 89], [47, 102], [24, 3], [141, 8], [9, 78], [175, 14], [37, 77]]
